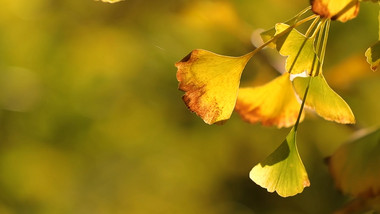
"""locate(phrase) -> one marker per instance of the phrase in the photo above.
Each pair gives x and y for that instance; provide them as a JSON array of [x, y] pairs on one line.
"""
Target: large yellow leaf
[[355, 166], [211, 83], [297, 47], [273, 104], [324, 100], [341, 10], [283, 170]]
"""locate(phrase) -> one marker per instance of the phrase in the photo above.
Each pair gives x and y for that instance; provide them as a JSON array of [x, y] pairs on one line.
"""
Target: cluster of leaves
[[211, 85]]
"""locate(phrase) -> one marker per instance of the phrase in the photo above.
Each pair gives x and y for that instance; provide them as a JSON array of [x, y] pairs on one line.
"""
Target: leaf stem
[[324, 45], [302, 104], [311, 27], [317, 29], [323, 33], [303, 11], [282, 33], [320, 32]]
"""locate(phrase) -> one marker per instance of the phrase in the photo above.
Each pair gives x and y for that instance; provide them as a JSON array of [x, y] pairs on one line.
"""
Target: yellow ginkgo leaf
[[355, 166], [297, 47], [211, 83], [373, 55], [283, 170], [341, 10], [273, 104], [324, 100]]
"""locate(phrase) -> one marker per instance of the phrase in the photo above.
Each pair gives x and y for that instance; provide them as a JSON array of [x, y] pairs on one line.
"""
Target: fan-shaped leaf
[[324, 100], [298, 48], [283, 170], [211, 83], [273, 104]]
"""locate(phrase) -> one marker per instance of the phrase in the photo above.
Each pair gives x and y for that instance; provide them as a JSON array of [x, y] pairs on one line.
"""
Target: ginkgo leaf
[[273, 104], [341, 10], [283, 170], [298, 48], [324, 100], [269, 34], [211, 83], [373, 55], [355, 166]]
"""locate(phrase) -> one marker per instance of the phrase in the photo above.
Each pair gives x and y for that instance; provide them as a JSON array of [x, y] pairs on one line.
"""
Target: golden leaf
[[324, 100], [273, 104], [211, 83]]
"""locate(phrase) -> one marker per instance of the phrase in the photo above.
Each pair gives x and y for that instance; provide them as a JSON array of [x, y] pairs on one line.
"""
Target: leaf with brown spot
[[210, 82], [273, 104], [341, 10]]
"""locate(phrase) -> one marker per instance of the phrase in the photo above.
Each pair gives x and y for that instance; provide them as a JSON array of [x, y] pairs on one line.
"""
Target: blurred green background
[[91, 120]]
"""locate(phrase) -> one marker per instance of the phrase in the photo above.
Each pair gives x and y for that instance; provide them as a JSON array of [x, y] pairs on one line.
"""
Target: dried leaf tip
[[341, 10]]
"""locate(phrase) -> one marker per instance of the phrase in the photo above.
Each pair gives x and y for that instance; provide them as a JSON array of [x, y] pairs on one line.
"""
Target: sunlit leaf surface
[[324, 100], [283, 170], [373, 56], [273, 104], [355, 166], [298, 48], [341, 10], [211, 83]]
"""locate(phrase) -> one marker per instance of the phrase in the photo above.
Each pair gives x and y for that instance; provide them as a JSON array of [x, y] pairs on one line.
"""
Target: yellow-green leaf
[[283, 170], [355, 166], [324, 100], [298, 48], [273, 104], [211, 83], [269, 34], [341, 10], [373, 55]]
